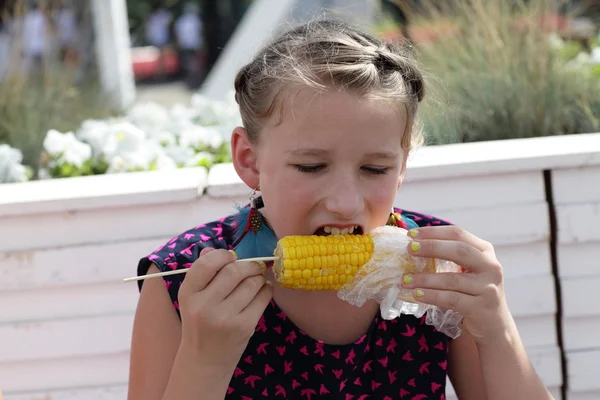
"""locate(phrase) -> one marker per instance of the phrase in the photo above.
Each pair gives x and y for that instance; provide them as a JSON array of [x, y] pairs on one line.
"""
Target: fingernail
[[269, 283], [408, 279], [262, 264], [234, 254], [413, 233], [206, 250], [415, 246], [419, 293]]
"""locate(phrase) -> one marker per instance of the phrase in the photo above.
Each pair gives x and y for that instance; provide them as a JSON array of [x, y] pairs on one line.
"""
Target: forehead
[[336, 118]]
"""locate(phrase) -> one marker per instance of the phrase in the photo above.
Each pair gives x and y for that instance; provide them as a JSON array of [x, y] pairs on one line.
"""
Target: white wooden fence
[[66, 245]]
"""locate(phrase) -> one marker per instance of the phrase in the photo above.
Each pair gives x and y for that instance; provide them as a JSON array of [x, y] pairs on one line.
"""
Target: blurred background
[[496, 70], [93, 90]]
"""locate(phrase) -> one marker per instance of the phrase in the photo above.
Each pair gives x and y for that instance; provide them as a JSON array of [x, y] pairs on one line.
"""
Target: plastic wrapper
[[381, 279]]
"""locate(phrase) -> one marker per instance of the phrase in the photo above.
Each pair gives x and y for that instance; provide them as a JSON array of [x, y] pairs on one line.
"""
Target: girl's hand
[[477, 294], [221, 302]]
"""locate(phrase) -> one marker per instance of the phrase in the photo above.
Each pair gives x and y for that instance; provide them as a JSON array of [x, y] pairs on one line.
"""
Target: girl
[[329, 119]]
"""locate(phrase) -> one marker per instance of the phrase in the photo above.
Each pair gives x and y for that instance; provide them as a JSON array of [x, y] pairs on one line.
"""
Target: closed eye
[[376, 170], [309, 168]]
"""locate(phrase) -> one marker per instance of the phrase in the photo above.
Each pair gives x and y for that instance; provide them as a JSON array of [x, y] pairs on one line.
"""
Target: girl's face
[[334, 162]]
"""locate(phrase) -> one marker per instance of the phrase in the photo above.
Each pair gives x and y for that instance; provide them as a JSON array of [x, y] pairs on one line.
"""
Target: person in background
[[190, 41], [158, 34]]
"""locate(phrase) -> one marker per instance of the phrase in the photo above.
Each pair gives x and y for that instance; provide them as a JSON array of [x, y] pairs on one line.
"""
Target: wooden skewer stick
[[184, 270]]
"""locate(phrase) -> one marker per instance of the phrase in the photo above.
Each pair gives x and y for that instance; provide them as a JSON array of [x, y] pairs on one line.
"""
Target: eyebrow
[[388, 155]]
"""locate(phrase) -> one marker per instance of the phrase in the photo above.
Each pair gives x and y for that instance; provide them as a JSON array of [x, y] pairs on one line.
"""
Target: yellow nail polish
[[419, 293], [234, 254], [262, 264], [413, 233], [415, 246], [408, 279]]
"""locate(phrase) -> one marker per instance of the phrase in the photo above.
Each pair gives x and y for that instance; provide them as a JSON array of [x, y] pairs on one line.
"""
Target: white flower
[[94, 133], [11, 169], [196, 159], [122, 139], [198, 137], [141, 159], [65, 148], [150, 117], [165, 139], [179, 154]]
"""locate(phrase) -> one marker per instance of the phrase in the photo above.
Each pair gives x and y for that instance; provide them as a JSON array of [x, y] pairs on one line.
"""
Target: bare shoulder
[[155, 341]]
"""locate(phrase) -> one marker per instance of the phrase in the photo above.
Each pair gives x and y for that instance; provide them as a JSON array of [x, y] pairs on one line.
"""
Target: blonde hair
[[326, 54]]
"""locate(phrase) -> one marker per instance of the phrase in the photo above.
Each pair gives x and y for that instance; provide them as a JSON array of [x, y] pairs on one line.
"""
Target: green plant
[[501, 77]]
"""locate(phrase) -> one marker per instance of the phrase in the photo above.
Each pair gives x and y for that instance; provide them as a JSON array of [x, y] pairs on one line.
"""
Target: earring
[[395, 219], [253, 236], [256, 202]]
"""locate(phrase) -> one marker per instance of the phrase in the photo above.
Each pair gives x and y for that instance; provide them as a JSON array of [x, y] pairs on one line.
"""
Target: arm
[[500, 368], [159, 368], [491, 358]]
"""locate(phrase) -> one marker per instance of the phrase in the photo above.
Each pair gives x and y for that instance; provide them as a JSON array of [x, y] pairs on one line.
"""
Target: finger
[[243, 294], [456, 282], [256, 307], [450, 232], [448, 299], [461, 253], [232, 275], [204, 269]]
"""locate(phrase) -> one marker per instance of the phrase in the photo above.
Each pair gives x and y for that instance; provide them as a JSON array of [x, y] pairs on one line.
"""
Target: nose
[[344, 198]]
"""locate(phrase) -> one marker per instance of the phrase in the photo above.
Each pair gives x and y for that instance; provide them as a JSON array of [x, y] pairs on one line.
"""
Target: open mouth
[[330, 230]]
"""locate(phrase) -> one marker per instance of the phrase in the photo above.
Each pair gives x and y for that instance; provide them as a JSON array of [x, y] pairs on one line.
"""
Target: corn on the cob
[[320, 262], [327, 262]]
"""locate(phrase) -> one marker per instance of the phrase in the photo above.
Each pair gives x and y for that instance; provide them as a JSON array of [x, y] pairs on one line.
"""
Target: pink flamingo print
[[403, 393], [262, 348], [319, 368], [336, 354], [218, 229], [251, 379], [439, 346], [383, 361], [424, 368], [407, 356], [268, 369], [351, 356], [319, 349], [295, 384], [337, 372], [188, 250], [423, 346], [287, 367], [280, 391], [323, 390], [391, 348], [265, 393], [367, 366], [343, 384], [411, 383], [363, 397], [443, 364], [238, 372], [307, 393], [392, 376], [248, 360], [304, 350], [357, 382], [277, 329], [435, 386], [204, 238], [375, 385], [304, 376], [230, 390], [419, 397], [281, 350], [410, 331], [291, 337]]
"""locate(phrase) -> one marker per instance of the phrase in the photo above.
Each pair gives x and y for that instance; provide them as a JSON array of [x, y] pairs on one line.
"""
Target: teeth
[[337, 231]]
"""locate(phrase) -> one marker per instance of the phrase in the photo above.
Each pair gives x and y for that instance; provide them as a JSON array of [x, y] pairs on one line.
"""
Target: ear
[[243, 154]]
